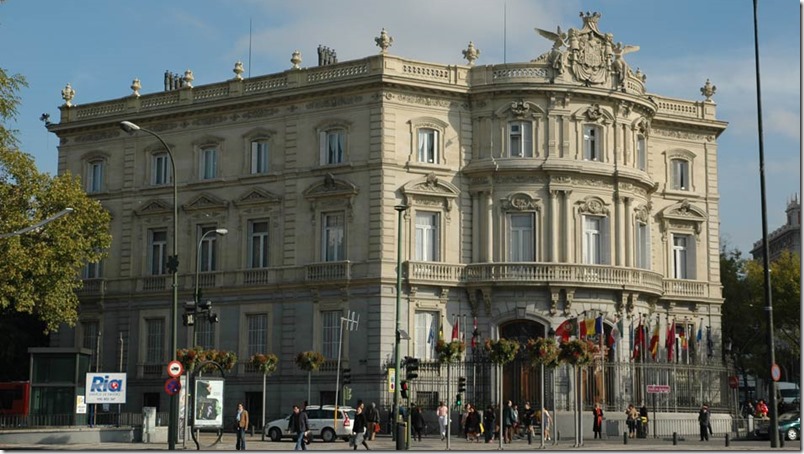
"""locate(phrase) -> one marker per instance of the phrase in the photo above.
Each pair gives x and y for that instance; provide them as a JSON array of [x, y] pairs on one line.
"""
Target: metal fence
[[61, 420]]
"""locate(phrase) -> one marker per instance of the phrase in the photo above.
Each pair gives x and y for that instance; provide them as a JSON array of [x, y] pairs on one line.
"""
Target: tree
[[39, 270]]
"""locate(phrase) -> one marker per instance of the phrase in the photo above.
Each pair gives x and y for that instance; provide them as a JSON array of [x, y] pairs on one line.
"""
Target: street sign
[[734, 382], [658, 389], [391, 379], [172, 386], [175, 369], [776, 374]]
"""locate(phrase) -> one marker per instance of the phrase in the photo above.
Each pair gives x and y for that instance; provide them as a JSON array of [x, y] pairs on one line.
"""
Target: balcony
[[93, 287], [328, 271], [683, 288]]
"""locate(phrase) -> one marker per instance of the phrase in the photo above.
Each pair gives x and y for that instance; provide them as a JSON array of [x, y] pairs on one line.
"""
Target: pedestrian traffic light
[[347, 376], [458, 400], [403, 386], [412, 367], [461, 385]]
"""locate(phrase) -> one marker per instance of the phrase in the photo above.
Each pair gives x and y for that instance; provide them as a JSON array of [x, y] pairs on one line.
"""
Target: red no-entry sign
[[734, 382]]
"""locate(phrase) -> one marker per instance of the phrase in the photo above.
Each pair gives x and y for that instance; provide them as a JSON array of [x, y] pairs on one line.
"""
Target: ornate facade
[[537, 191]]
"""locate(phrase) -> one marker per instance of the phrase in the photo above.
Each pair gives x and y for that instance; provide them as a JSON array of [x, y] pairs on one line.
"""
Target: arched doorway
[[520, 381]]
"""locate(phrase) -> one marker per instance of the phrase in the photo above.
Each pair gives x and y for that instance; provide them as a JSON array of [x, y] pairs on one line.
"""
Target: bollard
[[625, 438], [727, 440], [781, 440], [252, 430], [675, 438], [401, 429]]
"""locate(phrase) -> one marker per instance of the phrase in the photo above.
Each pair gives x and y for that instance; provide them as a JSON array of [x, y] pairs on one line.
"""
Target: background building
[[538, 192], [786, 237]]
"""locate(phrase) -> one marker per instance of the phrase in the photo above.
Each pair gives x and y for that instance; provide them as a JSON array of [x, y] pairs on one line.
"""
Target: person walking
[[631, 417], [472, 425], [241, 424], [528, 419], [642, 430], [298, 426], [508, 422], [443, 413], [704, 422], [417, 423], [359, 428], [372, 420], [488, 423], [597, 422], [548, 423]]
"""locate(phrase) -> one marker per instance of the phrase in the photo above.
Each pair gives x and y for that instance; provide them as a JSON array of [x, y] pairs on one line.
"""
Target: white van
[[321, 420], [791, 392]]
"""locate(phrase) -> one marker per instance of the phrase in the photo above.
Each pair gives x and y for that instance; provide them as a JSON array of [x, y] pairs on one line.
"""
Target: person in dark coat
[[488, 423], [417, 422], [359, 428], [472, 425], [704, 422], [528, 419], [597, 423], [298, 425]]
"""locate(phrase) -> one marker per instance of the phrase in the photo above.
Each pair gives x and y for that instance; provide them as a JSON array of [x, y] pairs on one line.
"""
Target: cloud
[[785, 122]]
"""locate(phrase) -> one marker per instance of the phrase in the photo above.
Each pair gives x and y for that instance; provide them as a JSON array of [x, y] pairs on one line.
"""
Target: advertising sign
[[182, 408], [80, 405], [106, 388], [658, 389], [391, 379], [208, 402]]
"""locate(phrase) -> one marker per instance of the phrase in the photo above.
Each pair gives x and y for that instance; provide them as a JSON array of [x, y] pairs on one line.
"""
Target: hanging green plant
[[543, 351], [576, 352], [449, 352], [309, 361], [502, 351], [190, 358], [266, 364]]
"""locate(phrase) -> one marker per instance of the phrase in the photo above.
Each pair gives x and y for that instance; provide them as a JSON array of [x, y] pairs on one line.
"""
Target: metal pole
[[399, 210], [264, 379], [120, 369], [541, 404], [337, 376], [772, 408], [97, 369], [449, 407]]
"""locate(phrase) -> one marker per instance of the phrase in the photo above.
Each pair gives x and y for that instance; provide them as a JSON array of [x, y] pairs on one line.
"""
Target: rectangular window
[[426, 335], [257, 326], [642, 246], [592, 241], [591, 143], [642, 154], [258, 244], [95, 183], [93, 270], [427, 237], [204, 332], [681, 257], [158, 251], [681, 174], [333, 146], [521, 238], [332, 237], [428, 146], [331, 325], [259, 156], [154, 340], [90, 341], [209, 163], [208, 250], [161, 171], [520, 139]]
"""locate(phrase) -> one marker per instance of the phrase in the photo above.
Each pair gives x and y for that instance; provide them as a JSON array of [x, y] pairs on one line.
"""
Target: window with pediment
[[427, 141], [520, 139], [595, 226], [333, 143], [521, 221], [682, 224], [331, 206], [680, 170], [641, 153], [431, 201]]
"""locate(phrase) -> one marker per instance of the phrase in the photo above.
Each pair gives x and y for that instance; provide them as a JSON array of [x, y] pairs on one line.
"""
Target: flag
[[670, 342], [599, 327], [638, 340], [710, 345], [654, 341], [431, 336], [631, 334], [455, 329], [613, 335], [582, 329], [475, 334], [590, 327], [566, 329], [683, 334], [441, 331]]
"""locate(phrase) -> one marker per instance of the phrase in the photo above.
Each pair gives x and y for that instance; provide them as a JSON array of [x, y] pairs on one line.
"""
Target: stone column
[[554, 226]]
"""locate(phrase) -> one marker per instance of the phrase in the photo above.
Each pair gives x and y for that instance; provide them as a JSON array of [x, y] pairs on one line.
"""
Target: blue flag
[[431, 336]]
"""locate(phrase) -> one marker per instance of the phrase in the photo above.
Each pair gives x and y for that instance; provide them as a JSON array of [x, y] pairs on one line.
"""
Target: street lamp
[[399, 210], [38, 224], [173, 267], [196, 294]]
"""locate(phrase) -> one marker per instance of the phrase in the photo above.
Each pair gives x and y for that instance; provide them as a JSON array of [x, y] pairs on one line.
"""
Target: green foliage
[[502, 351], [39, 270], [190, 358], [542, 351], [576, 352], [309, 361], [264, 363], [449, 352]]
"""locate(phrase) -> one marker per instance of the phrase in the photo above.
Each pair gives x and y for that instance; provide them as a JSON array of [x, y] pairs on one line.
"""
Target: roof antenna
[[249, 48], [505, 30]]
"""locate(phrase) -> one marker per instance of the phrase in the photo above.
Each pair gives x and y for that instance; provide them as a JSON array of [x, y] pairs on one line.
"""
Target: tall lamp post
[[38, 224], [399, 210], [196, 292], [173, 267]]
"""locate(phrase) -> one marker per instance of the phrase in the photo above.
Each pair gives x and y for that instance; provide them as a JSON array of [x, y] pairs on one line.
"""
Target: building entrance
[[521, 382]]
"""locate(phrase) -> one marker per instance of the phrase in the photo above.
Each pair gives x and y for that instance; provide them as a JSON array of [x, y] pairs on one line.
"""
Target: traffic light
[[461, 385], [458, 400], [412, 367], [403, 387], [347, 376], [189, 318]]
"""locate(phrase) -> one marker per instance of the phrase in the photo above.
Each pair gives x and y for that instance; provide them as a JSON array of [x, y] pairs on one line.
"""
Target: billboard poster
[[182, 408], [208, 402], [105, 388]]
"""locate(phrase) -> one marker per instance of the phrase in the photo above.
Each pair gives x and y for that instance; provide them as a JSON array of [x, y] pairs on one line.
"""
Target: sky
[[100, 46]]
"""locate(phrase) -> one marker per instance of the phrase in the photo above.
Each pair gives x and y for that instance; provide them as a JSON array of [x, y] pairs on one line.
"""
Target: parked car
[[789, 426], [322, 423]]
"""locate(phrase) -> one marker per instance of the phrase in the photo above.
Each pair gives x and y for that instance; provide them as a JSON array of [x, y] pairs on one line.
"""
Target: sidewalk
[[385, 443]]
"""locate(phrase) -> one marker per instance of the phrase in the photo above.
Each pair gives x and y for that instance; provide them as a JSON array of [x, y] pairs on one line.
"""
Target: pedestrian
[[462, 421], [631, 417], [548, 423], [473, 425], [762, 409], [299, 426], [515, 411], [241, 424], [597, 422], [359, 428], [508, 421], [528, 419], [417, 422], [443, 413], [643, 421], [488, 423], [372, 420], [704, 422]]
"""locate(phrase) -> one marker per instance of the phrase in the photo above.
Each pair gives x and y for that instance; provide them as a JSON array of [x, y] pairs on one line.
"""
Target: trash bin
[[401, 433], [642, 428]]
